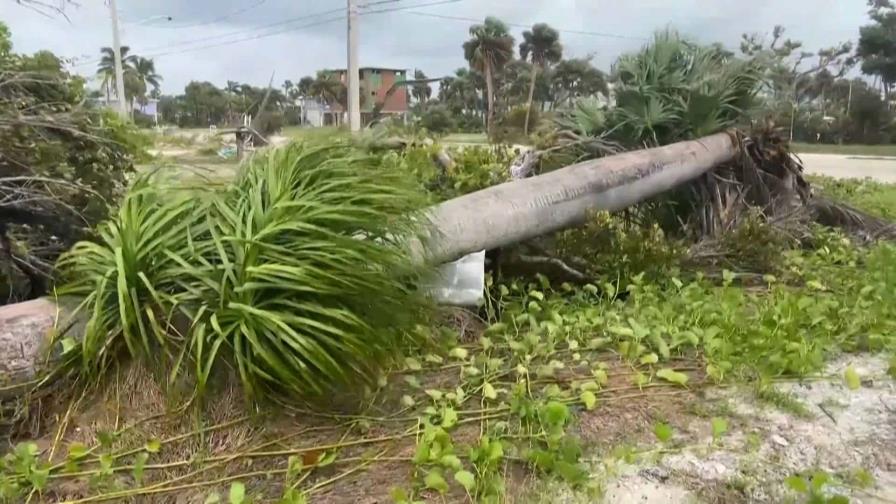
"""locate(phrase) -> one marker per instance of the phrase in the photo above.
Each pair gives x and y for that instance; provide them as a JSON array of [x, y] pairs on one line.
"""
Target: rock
[[778, 440]]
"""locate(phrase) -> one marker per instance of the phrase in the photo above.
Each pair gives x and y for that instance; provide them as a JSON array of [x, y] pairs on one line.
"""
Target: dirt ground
[[817, 425]]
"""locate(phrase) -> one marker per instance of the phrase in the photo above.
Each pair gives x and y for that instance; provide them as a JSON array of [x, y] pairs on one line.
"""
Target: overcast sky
[[288, 38]]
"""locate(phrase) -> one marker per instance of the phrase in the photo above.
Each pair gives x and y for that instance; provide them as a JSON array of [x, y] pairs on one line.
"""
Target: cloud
[[249, 47]]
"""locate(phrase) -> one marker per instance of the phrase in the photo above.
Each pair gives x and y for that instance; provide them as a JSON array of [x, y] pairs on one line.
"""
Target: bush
[[144, 120], [296, 275], [475, 168], [515, 118], [510, 127], [269, 123], [437, 119], [616, 251], [63, 166]]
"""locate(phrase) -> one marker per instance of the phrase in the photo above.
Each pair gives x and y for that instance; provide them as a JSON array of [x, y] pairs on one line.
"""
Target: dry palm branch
[[732, 174]]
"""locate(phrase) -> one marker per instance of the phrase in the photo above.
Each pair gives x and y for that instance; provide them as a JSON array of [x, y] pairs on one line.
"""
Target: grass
[[465, 138], [312, 134], [873, 197], [847, 150]]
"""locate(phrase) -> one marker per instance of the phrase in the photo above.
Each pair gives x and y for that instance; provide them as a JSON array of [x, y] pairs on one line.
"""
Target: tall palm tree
[[328, 88], [423, 91], [541, 46], [490, 47], [145, 70], [106, 67]]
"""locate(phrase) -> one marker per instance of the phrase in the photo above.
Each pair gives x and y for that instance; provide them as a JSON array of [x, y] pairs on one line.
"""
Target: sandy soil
[[849, 434]]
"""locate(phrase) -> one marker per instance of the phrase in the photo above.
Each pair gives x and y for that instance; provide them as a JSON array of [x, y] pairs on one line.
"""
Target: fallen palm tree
[[491, 218], [738, 174], [721, 177]]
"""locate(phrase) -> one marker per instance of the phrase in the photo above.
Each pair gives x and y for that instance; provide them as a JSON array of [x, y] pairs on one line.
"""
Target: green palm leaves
[[296, 276], [674, 89]]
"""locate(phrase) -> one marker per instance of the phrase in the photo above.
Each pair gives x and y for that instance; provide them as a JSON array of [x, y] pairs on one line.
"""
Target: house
[[313, 111], [375, 85]]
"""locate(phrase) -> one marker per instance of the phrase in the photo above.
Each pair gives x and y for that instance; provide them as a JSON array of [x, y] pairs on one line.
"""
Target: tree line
[[810, 94]]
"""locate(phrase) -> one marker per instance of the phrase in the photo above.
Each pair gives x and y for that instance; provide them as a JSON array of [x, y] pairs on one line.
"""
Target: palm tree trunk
[[517, 211], [490, 100], [531, 95]]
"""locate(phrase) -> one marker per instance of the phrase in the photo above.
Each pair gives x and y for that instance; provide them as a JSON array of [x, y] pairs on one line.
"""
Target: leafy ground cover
[[528, 393]]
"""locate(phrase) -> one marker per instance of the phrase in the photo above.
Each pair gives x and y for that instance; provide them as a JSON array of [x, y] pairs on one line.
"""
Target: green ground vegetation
[[845, 149]]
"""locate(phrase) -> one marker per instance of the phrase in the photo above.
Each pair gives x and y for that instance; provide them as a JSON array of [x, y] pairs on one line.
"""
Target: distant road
[[882, 169]]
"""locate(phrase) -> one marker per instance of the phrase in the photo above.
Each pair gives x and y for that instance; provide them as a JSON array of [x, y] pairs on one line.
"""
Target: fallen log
[[519, 210]]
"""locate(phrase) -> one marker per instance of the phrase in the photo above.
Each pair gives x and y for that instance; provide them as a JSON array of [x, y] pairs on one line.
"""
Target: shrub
[[615, 250], [475, 168], [437, 119], [62, 166], [269, 123], [296, 275]]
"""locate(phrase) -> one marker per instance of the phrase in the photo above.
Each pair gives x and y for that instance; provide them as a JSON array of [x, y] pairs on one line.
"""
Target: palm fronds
[[296, 275], [674, 89]]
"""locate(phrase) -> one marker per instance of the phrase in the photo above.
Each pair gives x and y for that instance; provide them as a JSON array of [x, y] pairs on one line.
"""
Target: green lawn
[[851, 150], [305, 133], [466, 138]]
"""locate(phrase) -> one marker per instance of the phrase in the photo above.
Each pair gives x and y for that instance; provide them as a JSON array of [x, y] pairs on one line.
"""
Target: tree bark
[[490, 100], [531, 95], [26, 332], [517, 211]]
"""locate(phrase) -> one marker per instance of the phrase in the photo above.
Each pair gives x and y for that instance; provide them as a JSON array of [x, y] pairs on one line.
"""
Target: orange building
[[375, 84]]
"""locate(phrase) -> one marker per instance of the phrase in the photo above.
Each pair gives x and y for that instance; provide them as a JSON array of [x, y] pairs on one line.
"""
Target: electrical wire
[[224, 17], [233, 34], [278, 32], [256, 37], [394, 9], [379, 2]]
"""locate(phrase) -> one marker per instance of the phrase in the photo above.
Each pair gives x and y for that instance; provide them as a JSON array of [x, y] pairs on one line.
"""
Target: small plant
[[23, 473], [813, 488], [296, 275]]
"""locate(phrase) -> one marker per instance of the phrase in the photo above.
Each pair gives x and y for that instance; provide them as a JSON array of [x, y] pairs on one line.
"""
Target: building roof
[[370, 68]]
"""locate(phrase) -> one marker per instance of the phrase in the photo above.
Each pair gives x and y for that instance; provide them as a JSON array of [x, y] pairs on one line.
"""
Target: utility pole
[[353, 77], [849, 99], [119, 68]]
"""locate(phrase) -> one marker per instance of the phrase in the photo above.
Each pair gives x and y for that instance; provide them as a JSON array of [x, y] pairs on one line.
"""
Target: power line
[[379, 2], [256, 37], [199, 23], [519, 25], [393, 9], [231, 34], [226, 16]]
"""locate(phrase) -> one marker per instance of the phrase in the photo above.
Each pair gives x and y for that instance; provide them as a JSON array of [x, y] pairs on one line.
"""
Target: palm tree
[[423, 91], [541, 46], [328, 88], [489, 48], [145, 70], [106, 68]]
